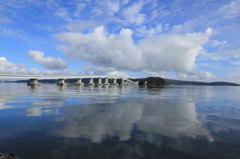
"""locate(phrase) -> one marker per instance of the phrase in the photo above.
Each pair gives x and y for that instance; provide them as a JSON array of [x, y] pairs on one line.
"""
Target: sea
[[120, 122]]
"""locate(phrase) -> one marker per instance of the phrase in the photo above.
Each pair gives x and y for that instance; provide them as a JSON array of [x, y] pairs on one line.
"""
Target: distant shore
[[158, 81], [149, 81]]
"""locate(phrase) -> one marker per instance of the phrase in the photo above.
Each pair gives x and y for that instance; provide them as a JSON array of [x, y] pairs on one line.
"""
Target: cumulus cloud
[[47, 62], [9, 67], [166, 52], [117, 51], [175, 53]]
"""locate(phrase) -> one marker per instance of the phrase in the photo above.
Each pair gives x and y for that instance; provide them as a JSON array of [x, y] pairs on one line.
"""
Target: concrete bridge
[[33, 79]]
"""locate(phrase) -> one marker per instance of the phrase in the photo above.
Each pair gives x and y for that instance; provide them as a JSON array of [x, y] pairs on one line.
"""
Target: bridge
[[33, 79]]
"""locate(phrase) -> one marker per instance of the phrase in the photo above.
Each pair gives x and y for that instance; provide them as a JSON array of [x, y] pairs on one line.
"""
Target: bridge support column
[[91, 82], [115, 82], [61, 82], [106, 82], [145, 83], [99, 81], [123, 82], [79, 82], [33, 82]]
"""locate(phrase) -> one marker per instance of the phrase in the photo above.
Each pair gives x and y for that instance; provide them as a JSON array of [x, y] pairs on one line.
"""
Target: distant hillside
[[166, 81], [180, 82]]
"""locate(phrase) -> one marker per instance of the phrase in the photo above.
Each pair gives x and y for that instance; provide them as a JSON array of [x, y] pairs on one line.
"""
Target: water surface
[[129, 122]]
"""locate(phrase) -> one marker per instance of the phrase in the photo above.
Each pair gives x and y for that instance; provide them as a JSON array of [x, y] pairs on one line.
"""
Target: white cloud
[[132, 13], [174, 52], [232, 53], [195, 75], [225, 55], [155, 73], [17, 34], [55, 72], [8, 67], [124, 2], [236, 63], [210, 56], [15, 68], [81, 25], [104, 8], [113, 6], [118, 73], [144, 31], [63, 13], [231, 10], [233, 76], [216, 43], [3, 59], [47, 62], [118, 51]]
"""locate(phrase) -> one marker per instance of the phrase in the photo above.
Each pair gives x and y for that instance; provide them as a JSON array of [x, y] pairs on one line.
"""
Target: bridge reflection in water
[[34, 79]]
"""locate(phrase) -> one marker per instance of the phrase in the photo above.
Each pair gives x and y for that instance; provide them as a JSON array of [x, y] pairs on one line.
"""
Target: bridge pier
[[91, 82], [61, 82], [79, 82], [123, 82], [34, 82], [106, 82], [99, 81], [115, 82]]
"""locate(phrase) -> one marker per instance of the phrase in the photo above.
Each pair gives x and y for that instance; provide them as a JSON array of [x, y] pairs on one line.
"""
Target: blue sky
[[181, 39]]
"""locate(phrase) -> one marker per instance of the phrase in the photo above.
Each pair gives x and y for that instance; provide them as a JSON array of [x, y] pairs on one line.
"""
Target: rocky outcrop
[[8, 156]]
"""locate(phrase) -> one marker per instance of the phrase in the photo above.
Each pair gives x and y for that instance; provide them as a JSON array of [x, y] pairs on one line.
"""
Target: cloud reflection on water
[[50, 106], [117, 119]]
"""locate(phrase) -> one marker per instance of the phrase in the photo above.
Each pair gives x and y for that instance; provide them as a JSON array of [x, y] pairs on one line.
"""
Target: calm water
[[128, 122]]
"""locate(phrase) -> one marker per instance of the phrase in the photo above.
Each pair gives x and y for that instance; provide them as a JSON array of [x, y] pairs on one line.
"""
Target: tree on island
[[152, 82]]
